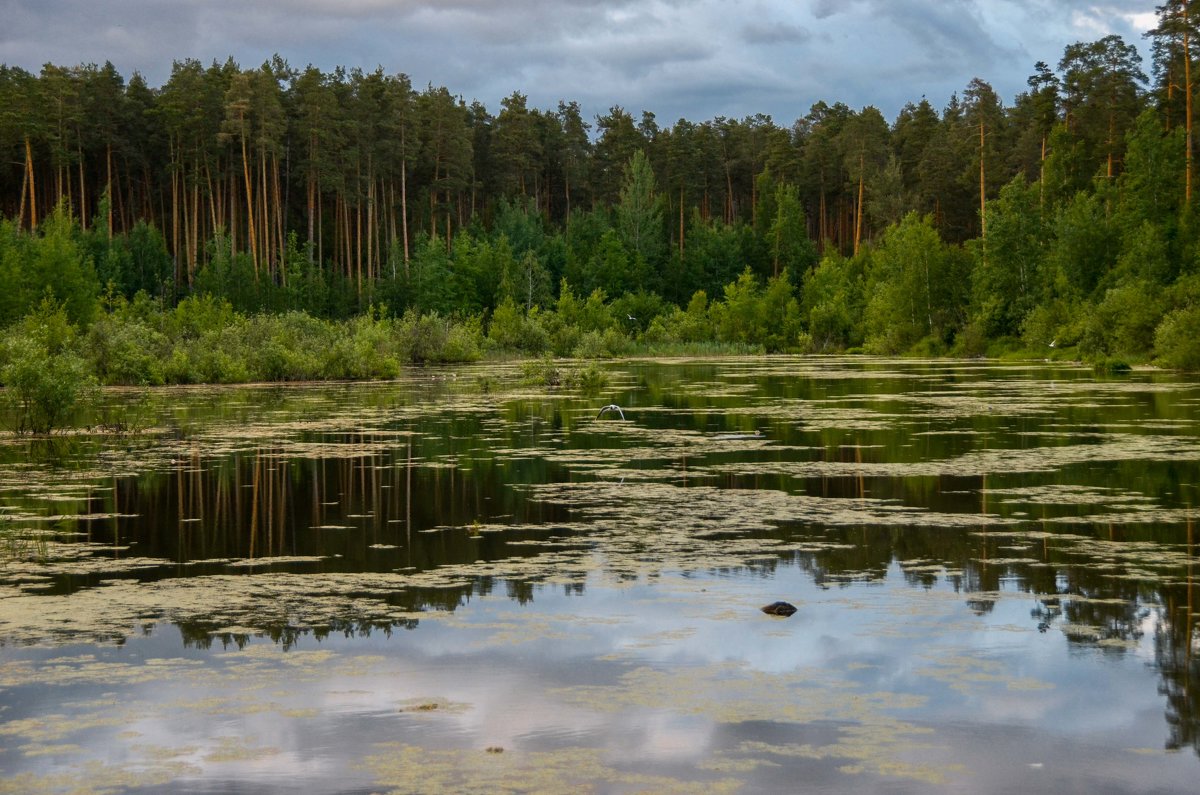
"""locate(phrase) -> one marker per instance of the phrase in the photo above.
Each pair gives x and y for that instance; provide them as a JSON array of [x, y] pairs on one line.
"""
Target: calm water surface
[[459, 582]]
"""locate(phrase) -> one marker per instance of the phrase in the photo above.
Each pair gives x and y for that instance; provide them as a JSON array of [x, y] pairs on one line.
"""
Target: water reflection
[[952, 521]]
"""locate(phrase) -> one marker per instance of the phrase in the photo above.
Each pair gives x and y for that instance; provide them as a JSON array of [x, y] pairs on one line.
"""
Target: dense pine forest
[[274, 222]]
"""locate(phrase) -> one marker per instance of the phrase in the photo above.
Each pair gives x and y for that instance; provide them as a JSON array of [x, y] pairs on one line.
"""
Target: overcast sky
[[692, 58]]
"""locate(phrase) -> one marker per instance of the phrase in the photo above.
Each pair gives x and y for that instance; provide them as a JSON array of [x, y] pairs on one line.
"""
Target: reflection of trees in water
[[1089, 597], [1177, 654], [203, 636], [360, 503], [1178, 662]]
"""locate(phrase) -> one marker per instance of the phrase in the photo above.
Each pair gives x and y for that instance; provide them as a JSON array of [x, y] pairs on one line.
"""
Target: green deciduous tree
[[917, 287]]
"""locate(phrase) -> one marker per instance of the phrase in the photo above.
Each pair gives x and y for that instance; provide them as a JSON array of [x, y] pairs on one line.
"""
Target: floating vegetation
[[412, 769]]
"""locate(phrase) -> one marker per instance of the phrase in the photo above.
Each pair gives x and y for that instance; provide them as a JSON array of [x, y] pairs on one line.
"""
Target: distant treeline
[[1061, 222]]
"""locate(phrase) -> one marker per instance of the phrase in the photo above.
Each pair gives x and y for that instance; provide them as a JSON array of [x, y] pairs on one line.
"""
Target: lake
[[464, 582]]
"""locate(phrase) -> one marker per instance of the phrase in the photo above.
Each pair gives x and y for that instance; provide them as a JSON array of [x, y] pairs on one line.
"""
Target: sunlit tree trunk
[[370, 215], [181, 216], [108, 188], [681, 224], [250, 221], [175, 167], [31, 182], [404, 211], [982, 186], [280, 234], [858, 211], [194, 252], [262, 216], [83, 209], [1187, 85]]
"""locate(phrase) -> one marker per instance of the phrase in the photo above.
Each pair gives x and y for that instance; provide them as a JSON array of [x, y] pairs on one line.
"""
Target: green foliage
[[542, 372], [694, 323], [435, 285], [514, 330], [132, 263], [122, 348], [291, 347], [614, 269], [1006, 281], [1084, 246], [230, 277], [1177, 340], [833, 303], [635, 311], [752, 315], [589, 380], [53, 265], [1153, 179], [917, 286], [1145, 256], [639, 220], [1126, 319], [430, 338], [791, 249], [602, 344], [1051, 326], [46, 380], [14, 294]]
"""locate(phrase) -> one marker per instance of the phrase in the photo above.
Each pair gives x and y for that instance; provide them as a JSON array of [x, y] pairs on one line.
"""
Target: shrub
[[46, 379], [1132, 312], [122, 350], [541, 372], [368, 348], [589, 380], [464, 342], [1177, 340], [290, 347], [515, 331]]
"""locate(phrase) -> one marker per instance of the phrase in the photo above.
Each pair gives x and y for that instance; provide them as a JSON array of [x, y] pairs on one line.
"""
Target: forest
[[281, 223]]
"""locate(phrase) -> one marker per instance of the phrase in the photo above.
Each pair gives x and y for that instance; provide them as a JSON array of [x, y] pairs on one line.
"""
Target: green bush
[[589, 380], [542, 372], [219, 356], [1127, 317], [289, 347], [513, 330], [464, 342], [124, 350], [46, 380], [368, 348], [1177, 340]]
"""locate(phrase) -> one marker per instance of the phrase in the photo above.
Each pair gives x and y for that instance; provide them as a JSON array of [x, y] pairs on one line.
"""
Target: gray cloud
[[780, 33], [690, 58]]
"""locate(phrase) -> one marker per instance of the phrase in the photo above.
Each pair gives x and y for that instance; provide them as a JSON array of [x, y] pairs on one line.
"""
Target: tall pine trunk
[[858, 210], [108, 191], [982, 187], [250, 221], [1187, 85]]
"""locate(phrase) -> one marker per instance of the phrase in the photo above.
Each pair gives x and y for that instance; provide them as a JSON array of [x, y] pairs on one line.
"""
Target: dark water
[[458, 582]]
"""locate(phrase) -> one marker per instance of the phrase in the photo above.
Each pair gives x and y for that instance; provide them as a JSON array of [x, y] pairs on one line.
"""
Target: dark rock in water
[[779, 609]]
